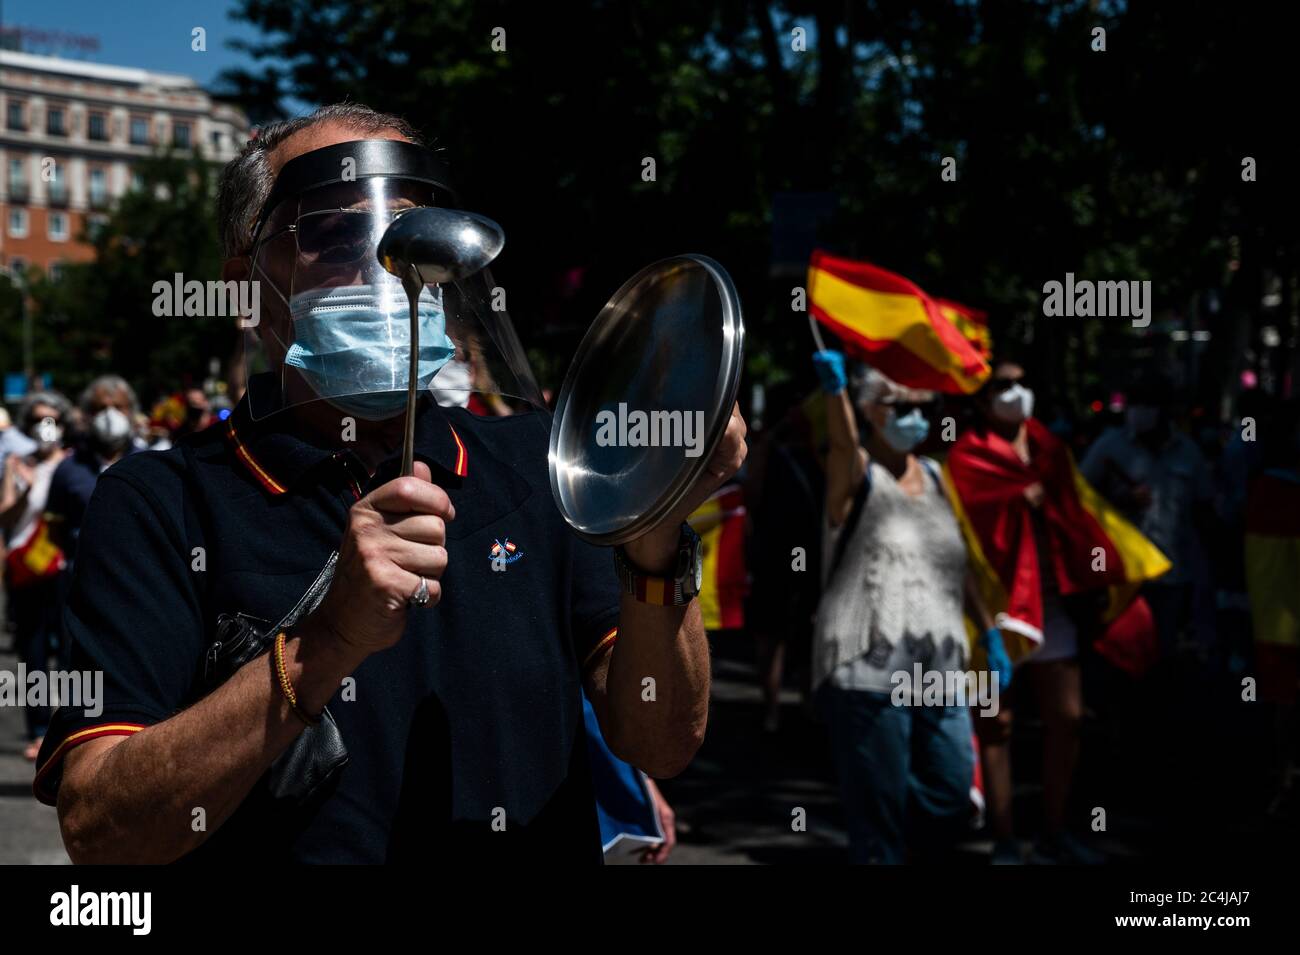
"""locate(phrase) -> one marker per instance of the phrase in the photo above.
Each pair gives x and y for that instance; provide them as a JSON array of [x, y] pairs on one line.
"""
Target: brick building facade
[[70, 132]]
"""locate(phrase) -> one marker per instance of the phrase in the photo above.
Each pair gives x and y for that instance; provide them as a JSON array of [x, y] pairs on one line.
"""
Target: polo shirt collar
[[278, 458]]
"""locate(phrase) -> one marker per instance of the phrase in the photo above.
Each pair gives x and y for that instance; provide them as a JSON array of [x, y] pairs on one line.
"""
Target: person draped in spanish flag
[[1053, 560]]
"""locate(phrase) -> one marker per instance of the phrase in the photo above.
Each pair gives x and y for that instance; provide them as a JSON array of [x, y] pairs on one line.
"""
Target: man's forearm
[[658, 726], [135, 801]]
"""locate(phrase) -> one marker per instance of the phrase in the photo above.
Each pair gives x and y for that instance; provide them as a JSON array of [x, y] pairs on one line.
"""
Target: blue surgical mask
[[352, 345], [905, 433]]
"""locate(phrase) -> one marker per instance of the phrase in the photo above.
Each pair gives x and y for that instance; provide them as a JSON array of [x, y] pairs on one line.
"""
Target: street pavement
[[29, 831], [1179, 766]]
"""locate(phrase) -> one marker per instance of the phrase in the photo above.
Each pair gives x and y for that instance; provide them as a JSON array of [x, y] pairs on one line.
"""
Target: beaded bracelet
[[286, 687]]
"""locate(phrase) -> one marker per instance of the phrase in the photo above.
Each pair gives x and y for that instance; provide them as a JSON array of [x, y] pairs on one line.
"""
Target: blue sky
[[153, 34]]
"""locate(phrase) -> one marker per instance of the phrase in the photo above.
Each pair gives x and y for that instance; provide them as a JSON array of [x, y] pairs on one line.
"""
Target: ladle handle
[[413, 286]]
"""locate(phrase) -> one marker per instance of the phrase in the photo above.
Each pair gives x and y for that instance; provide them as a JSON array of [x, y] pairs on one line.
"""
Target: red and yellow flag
[[891, 324], [720, 522], [1094, 547], [1273, 581], [972, 323]]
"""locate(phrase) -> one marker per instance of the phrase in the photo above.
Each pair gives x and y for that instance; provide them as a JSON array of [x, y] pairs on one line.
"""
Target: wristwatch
[[674, 591]]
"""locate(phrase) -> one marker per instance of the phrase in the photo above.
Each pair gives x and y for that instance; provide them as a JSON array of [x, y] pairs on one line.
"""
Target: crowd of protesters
[[854, 478], [853, 475], [51, 455]]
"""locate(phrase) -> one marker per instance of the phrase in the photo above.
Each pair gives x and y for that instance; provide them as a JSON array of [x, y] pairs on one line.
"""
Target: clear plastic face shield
[[334, 325]]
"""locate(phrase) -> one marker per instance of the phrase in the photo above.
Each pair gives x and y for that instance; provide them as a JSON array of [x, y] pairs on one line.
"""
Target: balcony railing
[[57, 197], [18, 192]]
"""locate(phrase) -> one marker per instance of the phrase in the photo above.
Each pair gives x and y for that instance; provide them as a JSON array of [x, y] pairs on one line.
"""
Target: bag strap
[[851, 523], [931, 470], [305, 604], [860, 502], [311, 597]]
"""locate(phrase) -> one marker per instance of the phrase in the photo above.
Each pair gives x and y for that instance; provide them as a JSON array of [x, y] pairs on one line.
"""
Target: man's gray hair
[[51, 399], [114, 383], [247, 179]]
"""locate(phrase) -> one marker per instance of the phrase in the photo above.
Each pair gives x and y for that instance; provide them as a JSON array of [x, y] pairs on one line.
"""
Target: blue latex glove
[[998, 660], [830, 371]]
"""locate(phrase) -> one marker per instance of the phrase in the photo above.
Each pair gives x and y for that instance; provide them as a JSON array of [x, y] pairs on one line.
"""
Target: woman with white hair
[[893, 608]]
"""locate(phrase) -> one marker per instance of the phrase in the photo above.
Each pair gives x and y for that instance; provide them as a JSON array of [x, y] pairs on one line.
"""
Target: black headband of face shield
[[393, 158]]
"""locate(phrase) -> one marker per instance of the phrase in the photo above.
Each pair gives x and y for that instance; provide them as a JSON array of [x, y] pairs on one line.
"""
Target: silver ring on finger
[[421, 596]]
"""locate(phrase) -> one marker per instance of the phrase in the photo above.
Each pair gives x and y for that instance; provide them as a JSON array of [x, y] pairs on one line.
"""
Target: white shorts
[[1060, 637]]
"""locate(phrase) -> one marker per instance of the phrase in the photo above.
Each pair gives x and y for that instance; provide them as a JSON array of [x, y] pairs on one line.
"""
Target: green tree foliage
[[1119, 164]]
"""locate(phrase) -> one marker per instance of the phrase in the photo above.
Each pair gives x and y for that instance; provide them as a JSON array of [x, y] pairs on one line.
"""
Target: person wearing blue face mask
[[346, 337], [893, 604], [341, 664]]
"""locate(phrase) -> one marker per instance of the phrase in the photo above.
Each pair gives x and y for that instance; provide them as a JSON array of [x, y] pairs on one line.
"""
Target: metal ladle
[[433, 246]]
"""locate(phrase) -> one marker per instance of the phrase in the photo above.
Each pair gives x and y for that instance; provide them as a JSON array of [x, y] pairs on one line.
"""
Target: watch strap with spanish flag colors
[[648, 588]]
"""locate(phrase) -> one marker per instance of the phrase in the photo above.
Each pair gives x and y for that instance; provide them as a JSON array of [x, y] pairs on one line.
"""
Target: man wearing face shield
[[894, 602], [462, 617]]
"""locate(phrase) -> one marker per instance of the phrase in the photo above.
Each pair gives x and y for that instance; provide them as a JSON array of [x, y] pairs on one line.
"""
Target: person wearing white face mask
[[1003, 447], [108, 407], [1012, 404], [894, 601]]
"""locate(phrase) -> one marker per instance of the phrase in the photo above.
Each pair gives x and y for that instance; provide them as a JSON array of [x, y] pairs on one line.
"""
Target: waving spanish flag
[[1093, 546], [972, 323], [888, 322]]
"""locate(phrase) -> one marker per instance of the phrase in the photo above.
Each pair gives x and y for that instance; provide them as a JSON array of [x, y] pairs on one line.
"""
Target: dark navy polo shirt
[[474, 717]]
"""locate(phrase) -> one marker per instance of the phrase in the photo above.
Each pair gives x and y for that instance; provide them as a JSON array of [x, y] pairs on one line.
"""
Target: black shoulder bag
[[310, 766]]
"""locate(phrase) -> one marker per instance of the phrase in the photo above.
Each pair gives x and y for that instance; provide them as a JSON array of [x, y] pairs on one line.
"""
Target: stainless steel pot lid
[[647, 398]]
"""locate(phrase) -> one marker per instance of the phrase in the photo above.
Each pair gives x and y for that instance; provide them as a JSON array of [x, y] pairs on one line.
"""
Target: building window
[[56, 121], [139, 131], [137, 181], [18, 269], [58, 227], [17, 180], [55, 271], [216, 140], [17, 223], [181, 135], [95, 225], [16, 115], [97, 127], [58, 192], [98, 187]]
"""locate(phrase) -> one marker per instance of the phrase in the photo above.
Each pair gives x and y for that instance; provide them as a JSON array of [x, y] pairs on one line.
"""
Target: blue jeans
[[905, 773]]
